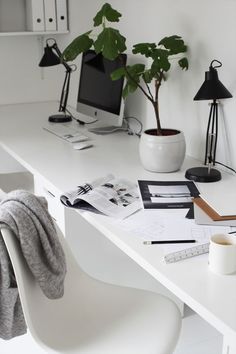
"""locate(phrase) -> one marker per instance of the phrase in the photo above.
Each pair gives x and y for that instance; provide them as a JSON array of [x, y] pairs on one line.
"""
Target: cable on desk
[[78, 120], [130, 130], [126, 127], [230, 168], [127, 120]]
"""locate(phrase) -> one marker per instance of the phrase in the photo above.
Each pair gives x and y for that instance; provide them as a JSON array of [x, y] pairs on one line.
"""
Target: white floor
[[197, 337]]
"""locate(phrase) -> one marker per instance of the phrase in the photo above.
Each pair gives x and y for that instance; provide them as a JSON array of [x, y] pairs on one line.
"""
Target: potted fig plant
[[161, 149]]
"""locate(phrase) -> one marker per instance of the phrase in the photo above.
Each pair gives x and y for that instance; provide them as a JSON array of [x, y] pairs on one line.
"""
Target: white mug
[[222, 254]]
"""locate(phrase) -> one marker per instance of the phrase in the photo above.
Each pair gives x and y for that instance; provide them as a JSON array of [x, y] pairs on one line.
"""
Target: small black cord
[[230, 168], [78, 120], [91, 122]]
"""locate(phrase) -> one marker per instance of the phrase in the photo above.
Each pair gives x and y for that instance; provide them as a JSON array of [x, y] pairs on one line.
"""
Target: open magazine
[[111, 196]]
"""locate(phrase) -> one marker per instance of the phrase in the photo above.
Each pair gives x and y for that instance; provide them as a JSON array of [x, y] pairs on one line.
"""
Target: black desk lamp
[[211, 89], [53, 56]]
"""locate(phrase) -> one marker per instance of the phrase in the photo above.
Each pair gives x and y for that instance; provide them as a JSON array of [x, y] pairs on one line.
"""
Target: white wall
[[208, 27], [21, 78]]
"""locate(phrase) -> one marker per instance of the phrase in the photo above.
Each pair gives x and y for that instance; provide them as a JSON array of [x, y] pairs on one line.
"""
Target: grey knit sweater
[[27, 216]]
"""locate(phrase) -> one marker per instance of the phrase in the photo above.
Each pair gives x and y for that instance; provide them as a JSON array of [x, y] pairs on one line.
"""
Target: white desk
[[54, 162]]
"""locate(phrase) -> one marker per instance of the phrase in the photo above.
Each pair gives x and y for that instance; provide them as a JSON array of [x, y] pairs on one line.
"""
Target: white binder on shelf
[[62, 15], [50, 15], [35, 15]]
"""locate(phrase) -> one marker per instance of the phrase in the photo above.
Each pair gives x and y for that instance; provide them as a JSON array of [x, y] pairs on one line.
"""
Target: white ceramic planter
[[162, 153]]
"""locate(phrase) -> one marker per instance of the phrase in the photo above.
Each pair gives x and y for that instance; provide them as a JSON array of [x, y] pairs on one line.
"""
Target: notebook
[[205, 214], [221, 198]]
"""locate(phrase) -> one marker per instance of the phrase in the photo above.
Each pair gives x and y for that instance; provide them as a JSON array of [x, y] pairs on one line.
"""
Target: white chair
[[94, 317]]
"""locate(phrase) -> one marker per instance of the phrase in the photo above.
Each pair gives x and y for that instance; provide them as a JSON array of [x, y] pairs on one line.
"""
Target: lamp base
[[60, 118], [201, 174]]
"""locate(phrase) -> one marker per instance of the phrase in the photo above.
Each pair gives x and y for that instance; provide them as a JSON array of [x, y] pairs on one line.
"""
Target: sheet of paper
[[161, 225]]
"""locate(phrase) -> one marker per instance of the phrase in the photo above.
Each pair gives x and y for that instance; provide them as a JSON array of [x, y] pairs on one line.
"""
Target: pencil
[[167, 241]]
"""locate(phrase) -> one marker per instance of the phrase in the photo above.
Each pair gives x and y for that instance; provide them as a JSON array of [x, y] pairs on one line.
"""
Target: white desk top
[[21, 134]]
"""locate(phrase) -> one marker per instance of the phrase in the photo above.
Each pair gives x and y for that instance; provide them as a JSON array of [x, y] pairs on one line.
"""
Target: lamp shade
[[212, 88], [49, 58]]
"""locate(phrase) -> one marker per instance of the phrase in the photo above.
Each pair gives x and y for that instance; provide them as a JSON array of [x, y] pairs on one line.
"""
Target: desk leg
[[229, 347], [225, 349]]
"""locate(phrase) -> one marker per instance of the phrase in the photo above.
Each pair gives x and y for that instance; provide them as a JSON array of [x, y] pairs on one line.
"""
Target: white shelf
[[30, 33], [13, 20]]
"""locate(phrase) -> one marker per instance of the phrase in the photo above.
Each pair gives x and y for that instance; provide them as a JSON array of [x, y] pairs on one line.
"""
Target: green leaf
[[133, 74], [106, 12], [174, 44], [125, 92], [148, 75], [160, 61], [110, 43], [158, 66], [136, 70], [118, 74], [183, 63], [130, 87], [144, 49], [79, 45]]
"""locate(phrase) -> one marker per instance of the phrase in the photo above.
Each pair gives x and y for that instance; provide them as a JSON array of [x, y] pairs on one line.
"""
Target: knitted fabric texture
[[27, 217]]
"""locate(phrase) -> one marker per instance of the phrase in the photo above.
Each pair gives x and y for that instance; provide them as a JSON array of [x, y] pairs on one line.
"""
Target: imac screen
[[97, 91]]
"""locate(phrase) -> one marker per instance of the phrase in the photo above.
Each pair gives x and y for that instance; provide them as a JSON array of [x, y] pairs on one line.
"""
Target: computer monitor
[[100, 97]]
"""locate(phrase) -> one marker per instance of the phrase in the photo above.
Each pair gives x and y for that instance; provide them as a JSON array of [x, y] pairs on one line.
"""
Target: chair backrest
[[37, 308], [85, 316]]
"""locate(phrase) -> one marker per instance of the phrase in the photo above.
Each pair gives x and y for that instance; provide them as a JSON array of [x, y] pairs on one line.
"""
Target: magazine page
[[114, 197], [72, 197], [167, 194]]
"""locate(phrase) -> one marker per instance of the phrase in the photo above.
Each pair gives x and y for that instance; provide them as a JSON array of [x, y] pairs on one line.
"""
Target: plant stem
[[148, 88], [139, 86], [156, 109], [156, 103], [150, 97]]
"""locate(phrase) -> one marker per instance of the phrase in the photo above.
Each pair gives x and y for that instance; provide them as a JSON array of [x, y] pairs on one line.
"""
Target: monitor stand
[[99, 126], [109, 129]]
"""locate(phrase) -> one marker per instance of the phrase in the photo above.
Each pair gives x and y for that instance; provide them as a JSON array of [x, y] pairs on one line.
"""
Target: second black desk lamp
[[211, 89]]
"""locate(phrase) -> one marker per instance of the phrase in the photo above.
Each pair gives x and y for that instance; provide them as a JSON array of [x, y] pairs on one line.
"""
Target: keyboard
[[72, 135]]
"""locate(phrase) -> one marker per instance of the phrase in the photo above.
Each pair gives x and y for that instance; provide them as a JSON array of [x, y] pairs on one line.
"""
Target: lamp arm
[[65, 92], [66, 84], [59, 53], [216, 135], [211, 136], [208, 135]]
